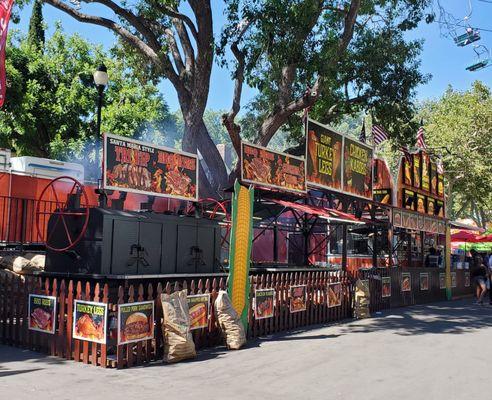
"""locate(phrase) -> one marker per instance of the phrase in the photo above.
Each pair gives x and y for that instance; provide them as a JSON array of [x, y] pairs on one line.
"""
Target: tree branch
[[176, 14], [173, 47], [185, 43]]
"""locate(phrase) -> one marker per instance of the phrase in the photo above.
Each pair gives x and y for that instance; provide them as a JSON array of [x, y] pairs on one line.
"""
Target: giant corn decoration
[[240, 250]]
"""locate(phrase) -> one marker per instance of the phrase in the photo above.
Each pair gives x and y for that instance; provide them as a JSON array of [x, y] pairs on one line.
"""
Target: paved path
[[433, 352]]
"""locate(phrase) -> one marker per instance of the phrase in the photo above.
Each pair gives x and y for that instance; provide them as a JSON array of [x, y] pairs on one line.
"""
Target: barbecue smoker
[[115, 242]]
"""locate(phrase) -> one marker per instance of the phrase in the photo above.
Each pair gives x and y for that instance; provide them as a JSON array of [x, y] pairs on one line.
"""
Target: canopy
[[485, 238], [465, 236]]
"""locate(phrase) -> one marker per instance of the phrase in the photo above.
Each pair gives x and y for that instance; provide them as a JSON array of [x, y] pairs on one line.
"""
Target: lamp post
[[101, 80]]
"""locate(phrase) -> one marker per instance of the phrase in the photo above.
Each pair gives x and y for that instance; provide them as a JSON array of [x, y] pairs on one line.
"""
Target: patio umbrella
[[485, 238], [465, 236]]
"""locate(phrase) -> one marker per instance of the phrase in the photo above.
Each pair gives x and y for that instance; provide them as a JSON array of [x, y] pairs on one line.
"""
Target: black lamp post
[[101, 80]]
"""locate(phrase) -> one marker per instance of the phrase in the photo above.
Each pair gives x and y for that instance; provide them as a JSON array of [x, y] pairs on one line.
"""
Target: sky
[[440, 57]]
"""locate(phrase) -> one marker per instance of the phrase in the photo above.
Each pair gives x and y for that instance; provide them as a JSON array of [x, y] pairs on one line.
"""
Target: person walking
[[480, 276]]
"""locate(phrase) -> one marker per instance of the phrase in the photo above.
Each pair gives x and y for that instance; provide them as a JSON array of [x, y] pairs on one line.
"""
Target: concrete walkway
[[438, 351]]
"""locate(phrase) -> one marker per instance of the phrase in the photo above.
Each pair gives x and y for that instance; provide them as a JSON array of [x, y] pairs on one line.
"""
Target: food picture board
[[386, 286], [382, 196], [135, 322], [453, 280], [425, 172], [90, 321], [323, 156], [42, 313], [138, 167], [424, 281], [264, 304], [334, 294], [442, 280], [298, 298], [421, 203], [417, 183], [199, 310], [467, 279], [406, 282], [357, 168], [263, 167]]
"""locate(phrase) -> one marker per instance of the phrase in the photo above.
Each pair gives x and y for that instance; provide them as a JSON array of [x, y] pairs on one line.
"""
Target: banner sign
[[424, 281], [42, 313], [298, 298], [5, 9], [433, 177], [357, 168], [382, 196], [411, 220], [386, 286], [334, 294], [416, 171], [138, 167], [323, 157], [406, 282], [407, 172], [425, 172], [90, 321], [135, 322], [199, 309], [263, 167], [264, 303]]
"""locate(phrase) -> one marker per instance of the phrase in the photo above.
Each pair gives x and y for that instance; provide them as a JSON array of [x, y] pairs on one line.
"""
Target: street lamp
[[101, 80]]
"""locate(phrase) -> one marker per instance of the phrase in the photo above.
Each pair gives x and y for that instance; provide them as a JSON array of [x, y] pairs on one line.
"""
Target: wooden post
[[344, 247]]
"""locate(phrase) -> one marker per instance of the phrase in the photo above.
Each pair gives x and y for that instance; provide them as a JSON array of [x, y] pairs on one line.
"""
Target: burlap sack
[[362, 299], [229, 322], [178, 342]]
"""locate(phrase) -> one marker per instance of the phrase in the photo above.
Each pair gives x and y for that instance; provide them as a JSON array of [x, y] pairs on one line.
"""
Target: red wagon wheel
[[219, 208], [62, 212]]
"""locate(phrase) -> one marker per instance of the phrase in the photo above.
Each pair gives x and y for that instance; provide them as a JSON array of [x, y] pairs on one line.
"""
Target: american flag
[[406, 153], [362, 134], [379, 134], [420, 137]]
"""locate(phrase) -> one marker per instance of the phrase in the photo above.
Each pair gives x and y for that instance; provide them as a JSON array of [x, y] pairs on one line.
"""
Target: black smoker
[[120, 242]]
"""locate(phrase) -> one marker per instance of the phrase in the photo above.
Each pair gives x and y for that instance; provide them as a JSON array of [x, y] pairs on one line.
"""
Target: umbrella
[[485, 238], [464, 236]]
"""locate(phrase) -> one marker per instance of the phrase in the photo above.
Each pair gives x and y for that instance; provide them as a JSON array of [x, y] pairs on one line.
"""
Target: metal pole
[[100, 91]]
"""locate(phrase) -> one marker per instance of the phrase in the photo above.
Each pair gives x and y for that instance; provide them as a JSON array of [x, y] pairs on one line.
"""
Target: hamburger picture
[[136, 327]]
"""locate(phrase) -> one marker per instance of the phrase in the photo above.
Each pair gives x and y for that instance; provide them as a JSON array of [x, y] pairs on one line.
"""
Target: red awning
[[327, 213], [465, 236], [485, 238]]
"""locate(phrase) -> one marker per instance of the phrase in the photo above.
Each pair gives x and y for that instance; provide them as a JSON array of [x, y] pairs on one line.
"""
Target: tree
[[459, 125], [335, 59], [294, 51], [35, 36], [51, 97]]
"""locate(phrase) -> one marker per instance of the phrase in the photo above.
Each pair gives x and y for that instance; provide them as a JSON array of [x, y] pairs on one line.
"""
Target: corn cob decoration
[[240, 249]]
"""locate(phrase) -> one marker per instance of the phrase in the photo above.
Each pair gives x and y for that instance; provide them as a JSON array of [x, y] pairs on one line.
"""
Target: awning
[[326, 213], [465, 237]]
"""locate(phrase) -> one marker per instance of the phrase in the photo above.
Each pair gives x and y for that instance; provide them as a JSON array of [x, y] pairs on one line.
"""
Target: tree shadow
[[438, 318], [18, 372]]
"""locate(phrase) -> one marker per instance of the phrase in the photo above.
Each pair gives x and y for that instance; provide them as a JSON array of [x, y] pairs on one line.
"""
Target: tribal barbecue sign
[[139, 167], [268, 168]]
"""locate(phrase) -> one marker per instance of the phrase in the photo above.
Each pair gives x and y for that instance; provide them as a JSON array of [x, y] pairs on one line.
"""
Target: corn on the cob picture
[[240, 249]]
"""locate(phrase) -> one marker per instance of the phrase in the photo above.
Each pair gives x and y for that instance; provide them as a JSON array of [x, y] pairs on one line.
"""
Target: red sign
[[5, 8]]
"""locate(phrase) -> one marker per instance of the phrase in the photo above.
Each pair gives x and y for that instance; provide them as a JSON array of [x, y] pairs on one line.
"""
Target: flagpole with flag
[[362, 134], [420, 136]]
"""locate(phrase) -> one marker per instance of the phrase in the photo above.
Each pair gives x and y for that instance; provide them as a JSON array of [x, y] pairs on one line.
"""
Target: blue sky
[[441, 58]]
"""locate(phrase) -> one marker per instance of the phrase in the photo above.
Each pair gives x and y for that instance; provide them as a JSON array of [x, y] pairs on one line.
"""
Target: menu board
[[323, 156], [90, 321], [425, 172], [420, 203], [382, 195], [135, 322], [268, 168], [42, 313], [298, 298], [264, 303], [357, 168], [199, 310], [334, 294], [416, 171], [431, 206], [440, 185], [139, 167], [407, 172], [408, 199], [433, 177]]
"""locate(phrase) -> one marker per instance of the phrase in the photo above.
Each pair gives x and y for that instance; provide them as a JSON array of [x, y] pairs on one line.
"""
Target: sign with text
[[264, 303], [417, 182], [298, 298], [139, 167], [199, 309], [89, 321], [357, 168], [323, 156], [263, 167], [411, 220], [382, 196], [135, 322], [42, 313]]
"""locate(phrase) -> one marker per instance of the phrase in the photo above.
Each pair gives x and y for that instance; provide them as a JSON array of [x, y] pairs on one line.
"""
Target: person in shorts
[[480, 274]]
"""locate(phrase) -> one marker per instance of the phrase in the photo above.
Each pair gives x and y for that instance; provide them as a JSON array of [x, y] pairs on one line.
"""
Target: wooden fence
[[14, 293]]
